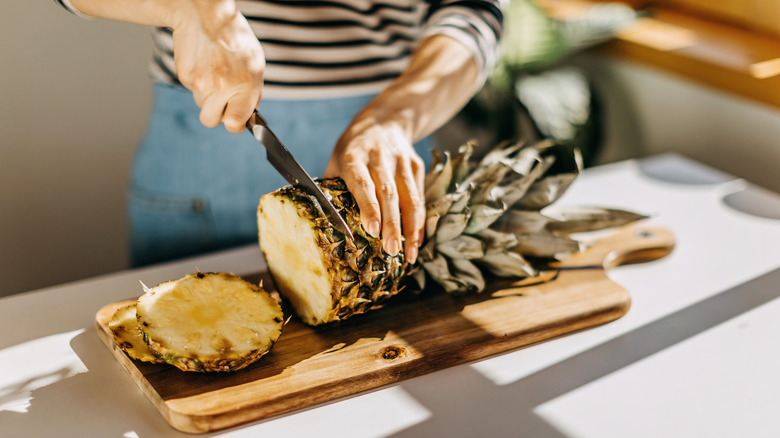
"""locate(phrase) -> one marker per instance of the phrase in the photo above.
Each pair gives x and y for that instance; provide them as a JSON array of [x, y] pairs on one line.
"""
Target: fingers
[[412, 204], [211, 110], [372, 184], [233, 112], [238, 110], [361, 185], [224, 69], [386, 177], [388, 192]]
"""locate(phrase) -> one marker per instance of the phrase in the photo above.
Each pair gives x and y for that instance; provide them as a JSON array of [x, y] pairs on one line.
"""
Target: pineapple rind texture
[[209, 322], [129, 337], [356, 277], [483, 216]]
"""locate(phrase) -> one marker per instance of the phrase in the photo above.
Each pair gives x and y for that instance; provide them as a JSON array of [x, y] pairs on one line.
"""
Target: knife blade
[[284, 162]]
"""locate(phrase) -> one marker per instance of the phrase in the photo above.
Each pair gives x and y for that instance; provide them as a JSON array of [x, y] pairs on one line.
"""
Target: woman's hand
[[375, 156], [385, 175], [216, 53], [218, 57]]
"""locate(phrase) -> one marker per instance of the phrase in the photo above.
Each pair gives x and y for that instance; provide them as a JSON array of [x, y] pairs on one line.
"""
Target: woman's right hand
[[218, 57]]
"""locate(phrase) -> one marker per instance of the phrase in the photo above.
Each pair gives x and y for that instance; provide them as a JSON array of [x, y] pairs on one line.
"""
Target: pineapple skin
[[226, 359], [129, 337], [355, 277]]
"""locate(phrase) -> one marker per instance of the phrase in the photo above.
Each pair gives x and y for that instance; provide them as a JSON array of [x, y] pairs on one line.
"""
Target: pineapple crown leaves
[[485, 214]]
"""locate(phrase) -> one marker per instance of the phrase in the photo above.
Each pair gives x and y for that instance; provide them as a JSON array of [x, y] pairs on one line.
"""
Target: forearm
[[441, 78], [162, 13]]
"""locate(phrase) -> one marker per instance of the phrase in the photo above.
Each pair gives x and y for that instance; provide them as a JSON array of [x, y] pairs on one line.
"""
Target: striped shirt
[[329, 48]]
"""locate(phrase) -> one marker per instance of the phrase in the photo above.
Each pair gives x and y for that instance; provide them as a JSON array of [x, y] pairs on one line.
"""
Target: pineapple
[[324, 276], [482, 216], [129, 337], [201, 322]]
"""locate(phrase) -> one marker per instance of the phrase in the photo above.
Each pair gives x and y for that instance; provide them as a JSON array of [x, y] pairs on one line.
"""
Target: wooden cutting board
[[412, 335]]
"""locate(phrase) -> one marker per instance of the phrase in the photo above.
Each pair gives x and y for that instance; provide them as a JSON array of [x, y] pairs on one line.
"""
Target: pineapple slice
[[209, 322], [129, 337]]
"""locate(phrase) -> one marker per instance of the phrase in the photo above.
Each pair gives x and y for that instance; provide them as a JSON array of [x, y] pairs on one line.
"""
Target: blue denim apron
[[195, 189]]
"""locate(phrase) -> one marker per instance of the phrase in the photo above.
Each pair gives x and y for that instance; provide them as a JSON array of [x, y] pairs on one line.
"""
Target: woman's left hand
[[386, 176], [375, 156]]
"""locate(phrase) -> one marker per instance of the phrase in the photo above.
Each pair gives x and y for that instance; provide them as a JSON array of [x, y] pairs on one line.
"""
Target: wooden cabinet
[[761, 15]]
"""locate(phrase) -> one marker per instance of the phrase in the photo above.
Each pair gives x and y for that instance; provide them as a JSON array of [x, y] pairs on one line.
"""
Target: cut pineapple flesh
[[129, 337], [209, 322], [289, 240]]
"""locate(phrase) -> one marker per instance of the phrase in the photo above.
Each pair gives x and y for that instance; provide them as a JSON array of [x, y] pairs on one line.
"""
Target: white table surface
[[696, 356]]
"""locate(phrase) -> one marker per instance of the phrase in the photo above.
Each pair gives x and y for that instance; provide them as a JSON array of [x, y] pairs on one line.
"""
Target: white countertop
[[695, 356]]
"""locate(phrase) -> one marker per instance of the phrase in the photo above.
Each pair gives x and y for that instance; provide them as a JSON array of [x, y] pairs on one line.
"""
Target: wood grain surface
[[413, 334]]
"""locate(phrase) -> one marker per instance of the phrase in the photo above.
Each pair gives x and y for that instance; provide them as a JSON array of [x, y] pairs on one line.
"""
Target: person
[[352, 87]]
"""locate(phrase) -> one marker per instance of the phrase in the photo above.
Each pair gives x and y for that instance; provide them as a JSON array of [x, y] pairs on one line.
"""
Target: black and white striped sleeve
[[69, 6], [477, 24]]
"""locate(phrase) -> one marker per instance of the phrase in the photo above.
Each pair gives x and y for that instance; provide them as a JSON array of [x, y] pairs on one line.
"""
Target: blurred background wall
[[74, 97], [75, 94], [650, 112]]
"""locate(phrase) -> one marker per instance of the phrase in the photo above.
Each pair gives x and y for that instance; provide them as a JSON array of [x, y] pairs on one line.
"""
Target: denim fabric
[[195, 189]]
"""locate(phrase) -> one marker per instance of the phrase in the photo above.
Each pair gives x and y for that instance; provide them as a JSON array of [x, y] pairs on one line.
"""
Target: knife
[[292, 171]]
